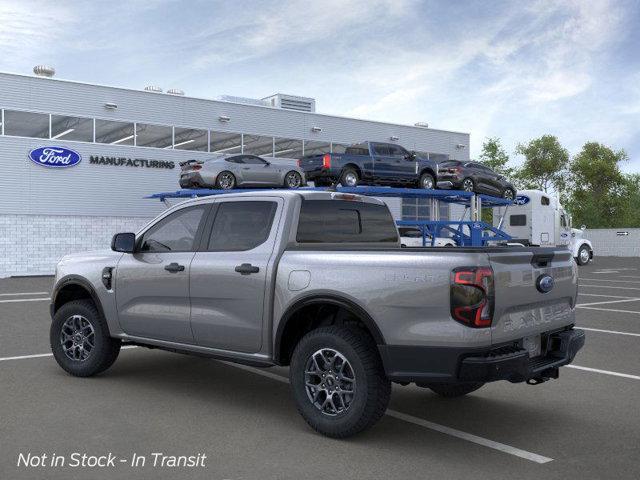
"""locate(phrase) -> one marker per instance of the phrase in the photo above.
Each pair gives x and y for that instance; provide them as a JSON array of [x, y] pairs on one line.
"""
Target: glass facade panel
[[72, 128], [258, 145], [26, 124], [114, 133], [157, 136], [224, 142], [316, 148], [338, 147], [287, 148], [190, 139]]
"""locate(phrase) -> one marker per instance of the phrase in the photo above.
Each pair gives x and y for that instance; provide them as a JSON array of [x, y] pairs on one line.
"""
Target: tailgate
[[312, 163], [521, 308]]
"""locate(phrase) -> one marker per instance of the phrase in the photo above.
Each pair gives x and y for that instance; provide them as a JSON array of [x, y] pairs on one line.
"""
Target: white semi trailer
[[538, 219]]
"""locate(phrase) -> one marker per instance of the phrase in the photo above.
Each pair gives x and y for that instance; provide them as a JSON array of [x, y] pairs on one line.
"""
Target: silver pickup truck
[[318, 281]]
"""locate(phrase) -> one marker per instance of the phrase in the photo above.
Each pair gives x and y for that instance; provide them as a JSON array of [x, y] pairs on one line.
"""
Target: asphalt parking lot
[[585, 425]]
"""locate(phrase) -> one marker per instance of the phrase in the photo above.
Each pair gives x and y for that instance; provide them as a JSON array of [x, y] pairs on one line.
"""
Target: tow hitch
[[544, 376]]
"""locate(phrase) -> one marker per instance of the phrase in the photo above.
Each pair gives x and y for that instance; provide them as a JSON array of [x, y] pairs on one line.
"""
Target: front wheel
[[80, 339], [338, 381], [584, 255], [468, 185], [427, 181], [508, 194], [452, 390], [293, 180]]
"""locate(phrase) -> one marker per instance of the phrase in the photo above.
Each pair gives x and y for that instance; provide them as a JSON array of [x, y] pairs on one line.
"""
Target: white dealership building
[[128, 143]]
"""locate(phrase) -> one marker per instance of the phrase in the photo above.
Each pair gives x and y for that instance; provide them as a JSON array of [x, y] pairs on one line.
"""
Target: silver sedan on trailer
[[231, 171]]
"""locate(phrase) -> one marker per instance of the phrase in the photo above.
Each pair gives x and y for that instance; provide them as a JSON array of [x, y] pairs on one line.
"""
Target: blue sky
[[515, 70]]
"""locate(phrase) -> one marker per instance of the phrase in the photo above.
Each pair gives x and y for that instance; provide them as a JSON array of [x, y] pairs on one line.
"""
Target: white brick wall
[[33, 244]]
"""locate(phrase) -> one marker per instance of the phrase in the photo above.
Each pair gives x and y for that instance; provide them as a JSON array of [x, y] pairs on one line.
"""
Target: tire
[[508, 193], [452, 390], [584, 255], [372, 388], [225, 180], [349, 178], [292, 180], [80, 315], [427, 182], [468, 185]]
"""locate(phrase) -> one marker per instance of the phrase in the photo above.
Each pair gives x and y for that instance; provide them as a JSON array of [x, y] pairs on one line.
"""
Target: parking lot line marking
[[607, 280], [601, 295], [632, 299], [610, 286], [16, 300], [22, 293], [610, 331], [40, 355], [608, 309], [469, 437], [606, 372]]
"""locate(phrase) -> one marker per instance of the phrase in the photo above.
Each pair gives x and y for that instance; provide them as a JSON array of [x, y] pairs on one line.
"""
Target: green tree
[[545, 164], [495, 157], [600, 193]]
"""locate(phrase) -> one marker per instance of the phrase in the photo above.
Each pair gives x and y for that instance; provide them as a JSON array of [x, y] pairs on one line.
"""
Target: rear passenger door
[[228, 275], [382, 162]]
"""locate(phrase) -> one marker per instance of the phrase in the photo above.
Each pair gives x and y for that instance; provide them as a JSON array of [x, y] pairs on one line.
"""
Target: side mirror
[[123, 242], [267, 164], [583, 227]]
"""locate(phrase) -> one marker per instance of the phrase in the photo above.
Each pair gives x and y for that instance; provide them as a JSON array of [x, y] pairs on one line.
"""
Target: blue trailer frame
[[478, 233]]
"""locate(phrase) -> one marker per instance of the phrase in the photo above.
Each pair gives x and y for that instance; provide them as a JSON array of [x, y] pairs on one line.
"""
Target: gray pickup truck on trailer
[[318, 281]]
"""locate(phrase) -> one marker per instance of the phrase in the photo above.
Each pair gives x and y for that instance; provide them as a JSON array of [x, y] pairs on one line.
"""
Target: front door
[[229, 274], [152, 284], [257, 171]]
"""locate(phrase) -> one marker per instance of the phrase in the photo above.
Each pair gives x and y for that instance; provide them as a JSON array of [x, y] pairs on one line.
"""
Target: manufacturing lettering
[[131, 162]]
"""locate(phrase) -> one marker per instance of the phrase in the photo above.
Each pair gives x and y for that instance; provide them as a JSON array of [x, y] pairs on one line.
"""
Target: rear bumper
[[192, 180], [449, 184], [320, 174], [455, 364]]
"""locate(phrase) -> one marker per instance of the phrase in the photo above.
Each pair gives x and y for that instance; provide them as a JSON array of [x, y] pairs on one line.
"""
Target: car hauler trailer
[[538, 219]]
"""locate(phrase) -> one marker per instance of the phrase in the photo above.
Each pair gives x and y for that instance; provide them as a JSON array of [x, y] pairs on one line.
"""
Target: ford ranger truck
[[371, 163], [318, 281]]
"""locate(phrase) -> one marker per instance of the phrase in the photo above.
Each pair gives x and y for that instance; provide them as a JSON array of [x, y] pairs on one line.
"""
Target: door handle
[[246, 168], [174, 267], [247, 269]]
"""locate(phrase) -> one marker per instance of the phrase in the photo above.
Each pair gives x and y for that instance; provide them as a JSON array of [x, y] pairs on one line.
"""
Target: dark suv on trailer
[[474, 177]]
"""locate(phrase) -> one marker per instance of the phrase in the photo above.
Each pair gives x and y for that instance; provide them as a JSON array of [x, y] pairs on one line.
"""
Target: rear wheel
[[468, 185], [80, 339], [584, 255], [292, 179], [225, 181], [427, 181], [349, 178], [508, 194], [451, 390], [338, 381]]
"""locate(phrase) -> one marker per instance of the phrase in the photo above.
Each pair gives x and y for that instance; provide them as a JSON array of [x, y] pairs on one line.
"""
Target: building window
[[224, 142], [157, 136], [190, 139], [420, 209], [287, 148], [114, 133], [71, 128], [258, 145], [316, 148], [338, 147], [26, 124]]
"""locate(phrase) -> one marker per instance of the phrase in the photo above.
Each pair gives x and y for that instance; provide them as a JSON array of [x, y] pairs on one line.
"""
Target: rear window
[[517, 220], [342, 221], [360, 149]]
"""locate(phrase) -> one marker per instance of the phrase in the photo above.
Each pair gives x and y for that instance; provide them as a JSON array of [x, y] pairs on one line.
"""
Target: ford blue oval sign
[[56, 157], [521, 200], [545, 283]]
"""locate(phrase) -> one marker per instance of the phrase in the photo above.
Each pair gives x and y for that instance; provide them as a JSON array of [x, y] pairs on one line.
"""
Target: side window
[[241, 226], [253, 160], [381, 149], [563, 221], [343, 221], [174, 233], [397, 151], [544, 200], [238, 159], [517, 220]]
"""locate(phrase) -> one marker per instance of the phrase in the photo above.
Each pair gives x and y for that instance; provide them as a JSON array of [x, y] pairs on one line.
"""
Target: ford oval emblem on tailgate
[[57, 157], [545, 283]]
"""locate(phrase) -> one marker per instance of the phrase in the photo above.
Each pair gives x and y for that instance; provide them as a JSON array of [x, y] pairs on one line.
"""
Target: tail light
[[196, 167], [299, 162], [472, 296], [326, 161]]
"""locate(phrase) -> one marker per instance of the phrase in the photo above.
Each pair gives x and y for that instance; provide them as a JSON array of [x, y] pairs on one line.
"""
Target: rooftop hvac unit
[[44, 71], [153, 88], [175, 91], [292, 102]]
